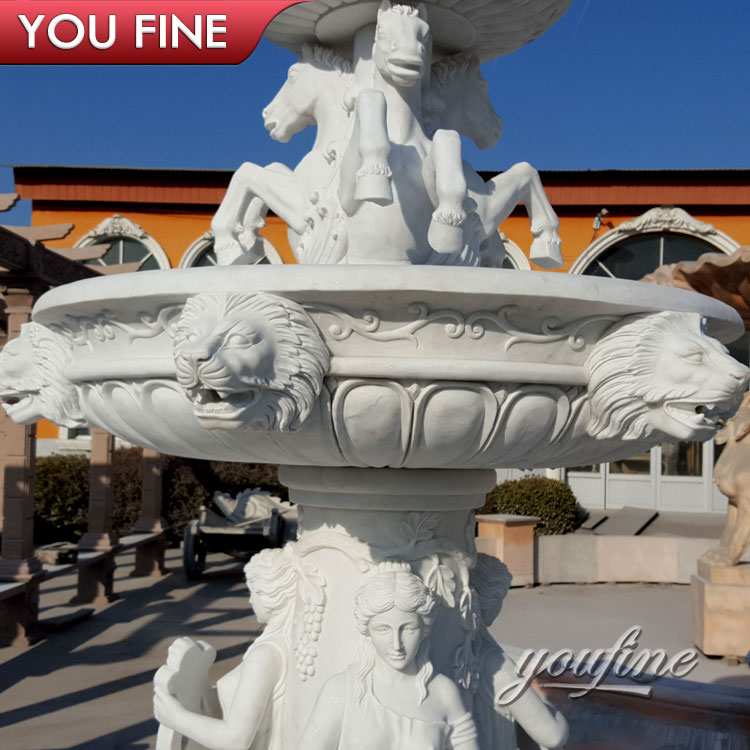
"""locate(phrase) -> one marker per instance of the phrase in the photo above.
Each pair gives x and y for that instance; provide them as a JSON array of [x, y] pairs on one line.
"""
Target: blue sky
[[619, 84]]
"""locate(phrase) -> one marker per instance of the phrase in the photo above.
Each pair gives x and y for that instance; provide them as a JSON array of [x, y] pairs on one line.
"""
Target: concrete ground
[[89, 687]]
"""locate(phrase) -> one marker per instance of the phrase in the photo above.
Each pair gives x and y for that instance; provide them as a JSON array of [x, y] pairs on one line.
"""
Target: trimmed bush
[[552, 501]]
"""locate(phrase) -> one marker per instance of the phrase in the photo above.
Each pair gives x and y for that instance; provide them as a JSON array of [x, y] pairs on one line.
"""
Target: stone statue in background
[[391, 696], [732, 475]]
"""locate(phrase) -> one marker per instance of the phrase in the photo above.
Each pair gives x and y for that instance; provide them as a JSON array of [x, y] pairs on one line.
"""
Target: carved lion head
[[660, 374], [249, 359], [32, 384]]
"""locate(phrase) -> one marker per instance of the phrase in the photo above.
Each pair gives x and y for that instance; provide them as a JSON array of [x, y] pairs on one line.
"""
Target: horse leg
[[501, 194], [226, 224], [373, 177], [251, 190], [443, 174], [253, 221]]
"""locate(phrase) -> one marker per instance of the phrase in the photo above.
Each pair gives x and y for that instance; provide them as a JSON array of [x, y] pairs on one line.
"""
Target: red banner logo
[[133, 32]]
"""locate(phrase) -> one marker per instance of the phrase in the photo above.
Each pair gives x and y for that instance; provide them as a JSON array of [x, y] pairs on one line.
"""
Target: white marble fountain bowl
[[385, 366]]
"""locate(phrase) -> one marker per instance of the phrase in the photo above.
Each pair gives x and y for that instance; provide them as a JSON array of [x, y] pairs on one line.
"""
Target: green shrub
[[61, 498], [61, 494], [552, 501], [127, 481]]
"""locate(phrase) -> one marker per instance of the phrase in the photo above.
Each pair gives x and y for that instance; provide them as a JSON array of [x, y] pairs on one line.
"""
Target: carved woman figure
[[251, 695], [490, 580], [390, 697]]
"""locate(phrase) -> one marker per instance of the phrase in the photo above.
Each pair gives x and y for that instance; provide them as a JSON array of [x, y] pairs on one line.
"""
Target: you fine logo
[[133, 32], [621, 660]]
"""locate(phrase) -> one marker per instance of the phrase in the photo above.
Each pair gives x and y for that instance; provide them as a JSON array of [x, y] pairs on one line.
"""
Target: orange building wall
[[175, 232], [577, 232]]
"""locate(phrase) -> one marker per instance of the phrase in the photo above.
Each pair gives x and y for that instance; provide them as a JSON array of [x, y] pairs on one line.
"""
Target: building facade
[[621, 224]]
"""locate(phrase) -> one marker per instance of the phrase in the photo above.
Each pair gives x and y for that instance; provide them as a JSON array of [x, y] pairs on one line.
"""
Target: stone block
[[567, 558], [689, 551], [513, 543], [721, 617], [632, 559], [735, 575]]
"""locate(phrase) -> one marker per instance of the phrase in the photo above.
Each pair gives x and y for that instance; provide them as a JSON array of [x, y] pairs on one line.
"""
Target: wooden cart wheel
[[193, 551]]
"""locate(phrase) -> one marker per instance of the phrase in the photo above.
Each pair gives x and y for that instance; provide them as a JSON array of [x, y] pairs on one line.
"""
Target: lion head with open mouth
[[251, 359], [661, 374]]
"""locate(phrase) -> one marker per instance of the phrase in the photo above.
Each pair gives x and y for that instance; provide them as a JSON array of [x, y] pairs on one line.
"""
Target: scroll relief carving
[[249, 359], [660, 374], [505, 319], [32, 383], [84, 330]]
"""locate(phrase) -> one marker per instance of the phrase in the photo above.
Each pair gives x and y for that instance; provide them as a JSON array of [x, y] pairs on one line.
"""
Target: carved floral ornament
[[118, 226], [663, 218]]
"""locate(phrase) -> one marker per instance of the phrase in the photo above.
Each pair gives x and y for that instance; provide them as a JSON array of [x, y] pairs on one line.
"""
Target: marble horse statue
[[452, 211]]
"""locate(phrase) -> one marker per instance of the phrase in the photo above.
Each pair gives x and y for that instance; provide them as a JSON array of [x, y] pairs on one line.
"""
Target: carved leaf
[[418, 527], [441, 580]]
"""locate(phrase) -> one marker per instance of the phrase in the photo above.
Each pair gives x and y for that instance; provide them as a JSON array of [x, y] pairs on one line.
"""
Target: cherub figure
[[390, 697], [251, 696], [490, 580]]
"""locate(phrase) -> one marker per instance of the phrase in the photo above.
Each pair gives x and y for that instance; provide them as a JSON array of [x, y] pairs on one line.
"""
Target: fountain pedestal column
[[353, 521]]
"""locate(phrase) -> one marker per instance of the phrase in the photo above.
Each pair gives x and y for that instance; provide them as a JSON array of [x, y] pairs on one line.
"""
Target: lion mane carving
[[252, 359], [32, 384], [660, 375]]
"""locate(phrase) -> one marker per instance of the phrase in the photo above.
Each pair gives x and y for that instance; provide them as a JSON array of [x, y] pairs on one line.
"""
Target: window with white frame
[[128, 243]]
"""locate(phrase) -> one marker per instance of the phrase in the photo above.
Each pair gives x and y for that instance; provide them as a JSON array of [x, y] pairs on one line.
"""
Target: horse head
[[296, 106], [459, 100], [401, 43], [291, 110]]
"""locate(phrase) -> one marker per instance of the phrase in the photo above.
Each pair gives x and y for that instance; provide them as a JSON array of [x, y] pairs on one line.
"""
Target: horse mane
[[400, 9], [332, 60], [444, 71]]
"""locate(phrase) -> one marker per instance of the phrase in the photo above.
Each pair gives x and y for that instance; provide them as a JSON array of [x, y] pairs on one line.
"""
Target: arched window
[[201, 253], [128, 243], [662, 235], [514, 256]]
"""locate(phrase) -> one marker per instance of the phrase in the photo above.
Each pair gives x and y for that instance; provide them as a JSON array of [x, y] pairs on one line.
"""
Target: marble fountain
[[388, 373]]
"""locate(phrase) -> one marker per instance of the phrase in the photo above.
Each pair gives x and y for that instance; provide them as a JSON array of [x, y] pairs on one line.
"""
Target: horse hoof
[[446, 237], [374, 188], [545, 250], [230, 253]]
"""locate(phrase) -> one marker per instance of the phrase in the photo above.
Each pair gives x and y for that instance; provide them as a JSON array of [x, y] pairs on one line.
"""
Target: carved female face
[[396, 636]]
